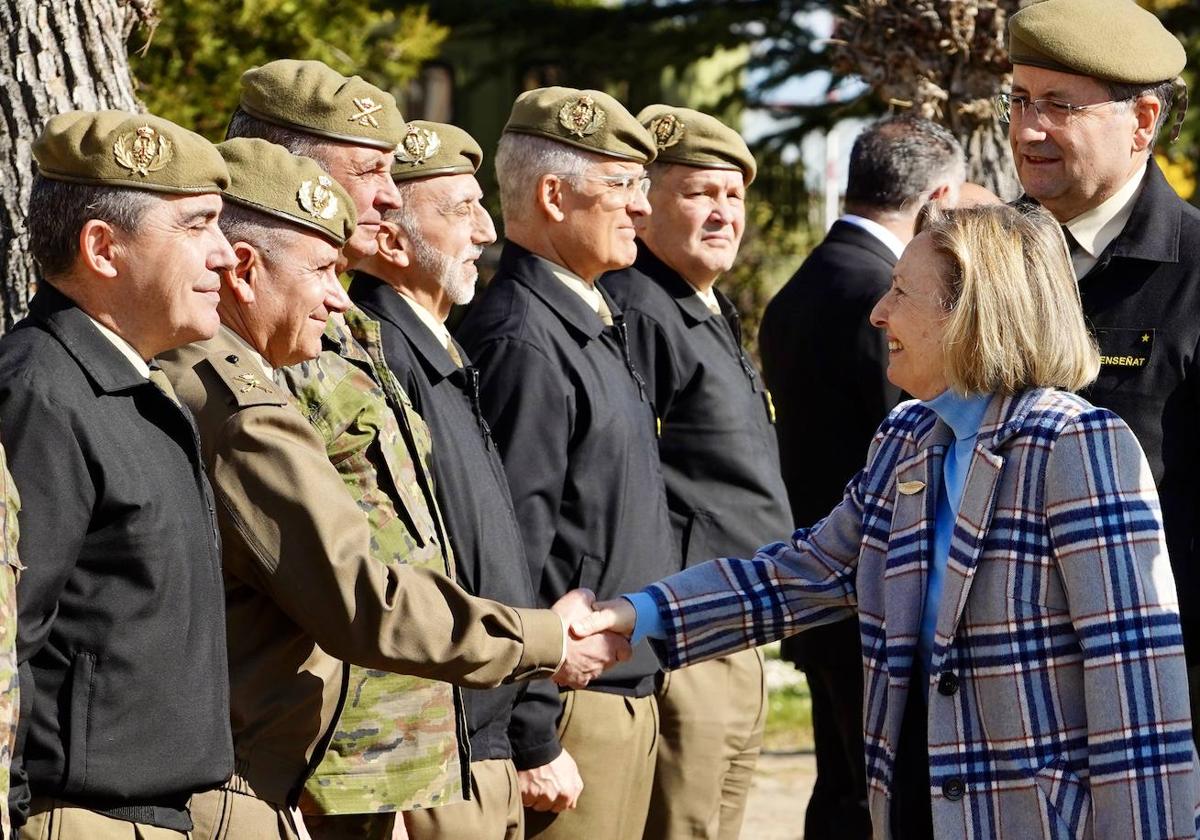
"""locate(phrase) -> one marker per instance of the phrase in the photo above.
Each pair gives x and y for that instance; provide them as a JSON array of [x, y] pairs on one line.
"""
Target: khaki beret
[[270, 179], [433, 148], [312, 97], [120, 149], [588, 119], [696, 139], [1111, 40]]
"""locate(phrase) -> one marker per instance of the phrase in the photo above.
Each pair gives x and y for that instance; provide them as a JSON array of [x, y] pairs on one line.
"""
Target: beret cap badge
[[667, 130], [419, 144], [366, 112], [581, 116], [143, 151], [318, 199]]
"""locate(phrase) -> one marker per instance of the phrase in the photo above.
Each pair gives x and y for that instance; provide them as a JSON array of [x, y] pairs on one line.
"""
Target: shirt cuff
[[545, 640], [649, 623]]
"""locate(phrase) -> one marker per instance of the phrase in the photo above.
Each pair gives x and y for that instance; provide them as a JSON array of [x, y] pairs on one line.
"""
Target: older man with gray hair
[[574, 423]]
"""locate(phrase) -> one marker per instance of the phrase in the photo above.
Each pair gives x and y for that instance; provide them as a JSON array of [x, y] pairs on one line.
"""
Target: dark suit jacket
[[826, 367]]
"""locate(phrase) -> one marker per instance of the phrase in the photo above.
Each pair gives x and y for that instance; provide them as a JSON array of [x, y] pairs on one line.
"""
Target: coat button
[[947, 683], [232, 359], [953, 788]]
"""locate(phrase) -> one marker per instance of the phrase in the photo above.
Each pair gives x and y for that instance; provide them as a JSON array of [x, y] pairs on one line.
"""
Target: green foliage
[[789, 708], [189, 66]]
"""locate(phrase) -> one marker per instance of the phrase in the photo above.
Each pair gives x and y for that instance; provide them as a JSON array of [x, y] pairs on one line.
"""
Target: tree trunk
[[60, 55]]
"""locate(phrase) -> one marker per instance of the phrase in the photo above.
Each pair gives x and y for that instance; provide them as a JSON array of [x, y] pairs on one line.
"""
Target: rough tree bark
[[59, 55], [944, 59]]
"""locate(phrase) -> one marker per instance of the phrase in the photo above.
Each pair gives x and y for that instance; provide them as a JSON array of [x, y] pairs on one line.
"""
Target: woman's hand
[[616, 616]]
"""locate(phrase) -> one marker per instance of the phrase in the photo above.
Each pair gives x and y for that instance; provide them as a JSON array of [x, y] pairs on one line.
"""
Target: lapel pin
[[910, 488]]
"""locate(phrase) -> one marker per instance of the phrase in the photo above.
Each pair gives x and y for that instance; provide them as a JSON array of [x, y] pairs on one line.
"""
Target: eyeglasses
[[628, 185], [1053, 111]]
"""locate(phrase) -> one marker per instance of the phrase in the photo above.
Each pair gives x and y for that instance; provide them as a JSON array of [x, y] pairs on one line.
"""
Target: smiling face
[[365, 174], [914, 319], [296, 288], [597, 233], [698, 221], [1072, 164], [170, 268], [451, 228]]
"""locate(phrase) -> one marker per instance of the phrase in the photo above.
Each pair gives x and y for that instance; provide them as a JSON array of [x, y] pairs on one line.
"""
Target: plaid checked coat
[[1058, 696]]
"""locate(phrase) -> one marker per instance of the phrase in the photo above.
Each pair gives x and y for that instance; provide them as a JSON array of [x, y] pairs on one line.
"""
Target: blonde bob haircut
[[1014, 318]]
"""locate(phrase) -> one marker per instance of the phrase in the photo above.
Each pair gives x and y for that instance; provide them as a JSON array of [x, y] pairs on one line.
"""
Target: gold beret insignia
[[667, 130], [143, 151], [318, 199], [367, 109], [582, 116], [419, 144]]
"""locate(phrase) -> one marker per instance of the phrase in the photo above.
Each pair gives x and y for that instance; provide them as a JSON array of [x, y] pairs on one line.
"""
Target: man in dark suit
[[826, 368]]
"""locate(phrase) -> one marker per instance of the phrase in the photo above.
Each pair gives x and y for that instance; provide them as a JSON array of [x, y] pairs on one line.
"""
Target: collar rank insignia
[[667, 130], [367, 109], [582, 116], [318, 199], [250, 382], [143, 151], [419, 144]]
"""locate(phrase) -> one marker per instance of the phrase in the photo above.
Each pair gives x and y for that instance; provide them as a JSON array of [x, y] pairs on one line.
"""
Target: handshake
[[597, 635]]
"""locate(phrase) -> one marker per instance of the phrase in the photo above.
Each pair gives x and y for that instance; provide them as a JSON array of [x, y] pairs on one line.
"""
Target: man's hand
[[615, 616], [587, 656], [552, 787]]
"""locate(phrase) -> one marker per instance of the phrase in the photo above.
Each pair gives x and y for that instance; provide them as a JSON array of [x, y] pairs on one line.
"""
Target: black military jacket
[[121, 639], [720, 458], [1142, 299], [577, 436], [473, 494]]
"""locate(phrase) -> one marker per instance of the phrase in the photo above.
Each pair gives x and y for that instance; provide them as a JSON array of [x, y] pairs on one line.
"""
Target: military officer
[[121, 638], [572, 417], [370, 771], [717, 443], [306, 582], [425, 264], [1093, 85]]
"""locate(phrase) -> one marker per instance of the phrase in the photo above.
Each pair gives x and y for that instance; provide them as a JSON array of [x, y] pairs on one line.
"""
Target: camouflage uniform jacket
[[305, 590], [401, 741], [10, 504]]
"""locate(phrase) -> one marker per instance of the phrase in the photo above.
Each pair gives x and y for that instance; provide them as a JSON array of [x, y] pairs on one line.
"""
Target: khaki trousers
[[52, 819], [613, 740], [226, 814], [493, 812], [711, 730]]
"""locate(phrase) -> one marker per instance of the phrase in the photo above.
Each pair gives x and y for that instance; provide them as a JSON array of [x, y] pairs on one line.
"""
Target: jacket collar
[[381, 300], [94, 353], [1152, 232], [849, 234], [530, 271], [680, 290], [1004, 417]]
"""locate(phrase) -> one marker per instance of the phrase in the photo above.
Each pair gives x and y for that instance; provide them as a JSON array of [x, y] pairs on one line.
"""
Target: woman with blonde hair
[[1003, 550]]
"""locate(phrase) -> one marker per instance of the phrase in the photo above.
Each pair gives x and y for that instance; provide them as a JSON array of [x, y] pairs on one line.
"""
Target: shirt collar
[[427, 318], [586, 291], [123, 347], [258, 358], [963, 414], [1095, 229], [709, 298], [878, 231]]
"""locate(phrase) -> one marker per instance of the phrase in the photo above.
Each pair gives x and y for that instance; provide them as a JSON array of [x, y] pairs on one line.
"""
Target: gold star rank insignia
[[582, 116], [318, 199], [367, 109], [143, 151], [419, 144], [667, 130], [1145, 338]]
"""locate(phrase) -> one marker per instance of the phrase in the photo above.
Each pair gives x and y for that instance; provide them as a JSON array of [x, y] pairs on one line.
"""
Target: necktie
[[454, 354], [160, 380], [604, 312]]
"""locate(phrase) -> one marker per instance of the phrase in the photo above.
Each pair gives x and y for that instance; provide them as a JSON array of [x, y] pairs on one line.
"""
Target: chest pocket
[[1125, 352]]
